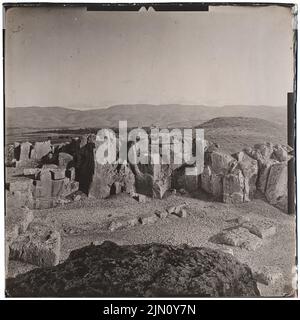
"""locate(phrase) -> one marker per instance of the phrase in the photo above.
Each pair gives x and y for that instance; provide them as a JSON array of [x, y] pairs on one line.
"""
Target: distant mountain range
[[136, 115]]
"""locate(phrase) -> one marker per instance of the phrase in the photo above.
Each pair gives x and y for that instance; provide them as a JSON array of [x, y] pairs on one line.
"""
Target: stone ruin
[[53, 173], [49, 175]]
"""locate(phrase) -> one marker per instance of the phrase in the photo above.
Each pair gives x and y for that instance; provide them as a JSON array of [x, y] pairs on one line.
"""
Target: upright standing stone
[[276, 190]]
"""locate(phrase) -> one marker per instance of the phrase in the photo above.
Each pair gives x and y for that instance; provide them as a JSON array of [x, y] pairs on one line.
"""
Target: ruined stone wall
[[53, 172]]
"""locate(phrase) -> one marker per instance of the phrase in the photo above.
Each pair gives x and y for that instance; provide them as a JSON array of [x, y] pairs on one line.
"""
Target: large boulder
[[25, 155], [145, 270], [41, 149], [152, 180], [234, 187], [249, 168], [212, 183], [277, 188], [263, 173], [39, 245], [219, 161], [64, 159]]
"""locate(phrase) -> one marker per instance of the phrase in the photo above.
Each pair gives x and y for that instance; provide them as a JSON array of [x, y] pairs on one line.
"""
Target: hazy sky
[[81, 59]]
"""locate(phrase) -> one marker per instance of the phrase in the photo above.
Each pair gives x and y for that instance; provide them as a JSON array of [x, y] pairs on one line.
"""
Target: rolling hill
[[136, 115], [235, 133]]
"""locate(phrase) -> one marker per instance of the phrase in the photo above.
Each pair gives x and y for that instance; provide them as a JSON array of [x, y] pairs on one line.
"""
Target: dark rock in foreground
[[136, 271]]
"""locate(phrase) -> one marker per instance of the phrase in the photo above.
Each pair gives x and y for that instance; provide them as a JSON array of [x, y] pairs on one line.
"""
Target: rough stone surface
[[238, 237], [41, 149], [64, 159], [264, 171], [57, 174], [17, 221], [162, 214], [220, 162], [148, 218], [148, 270], [212, 183], [31, 171], [262, 229], [123, 222], [233, 187], [38, 245], [249, 168], [276, 190], [267, 275]]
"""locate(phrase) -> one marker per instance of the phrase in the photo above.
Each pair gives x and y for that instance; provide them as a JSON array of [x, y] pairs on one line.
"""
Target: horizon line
[[149, 104]]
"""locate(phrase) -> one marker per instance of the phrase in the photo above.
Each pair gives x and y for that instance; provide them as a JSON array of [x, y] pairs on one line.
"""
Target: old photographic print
[[149, 150]]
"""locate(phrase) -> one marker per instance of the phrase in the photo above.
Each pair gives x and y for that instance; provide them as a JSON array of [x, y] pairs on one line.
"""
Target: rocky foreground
[[145, 270]]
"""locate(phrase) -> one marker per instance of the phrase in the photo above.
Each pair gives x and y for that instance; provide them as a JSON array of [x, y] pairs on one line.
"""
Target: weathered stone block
[[268, 275], [17, 220], [161, 214], [57, 174], [45, 203], [71, 174], [31, 171], [39, 246], [220, 162], [64, 159], [276, 190], [20, 184], [123, 222], [182, 213], [238, 237], [148, 218], [262, 229], [233, 187]]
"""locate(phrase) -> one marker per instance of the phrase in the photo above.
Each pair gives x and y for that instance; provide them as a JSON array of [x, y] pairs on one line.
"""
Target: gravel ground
[[87, 220]]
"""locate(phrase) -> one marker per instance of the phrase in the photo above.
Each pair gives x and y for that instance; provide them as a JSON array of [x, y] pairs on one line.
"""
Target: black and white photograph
[[149, 150]]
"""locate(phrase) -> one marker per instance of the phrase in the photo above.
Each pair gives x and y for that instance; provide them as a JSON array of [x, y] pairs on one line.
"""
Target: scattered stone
[[262, 229], [77, 197], [280, 153], [63, 201], [171, 209], [39, 246], [141, 198], [123, 222], [263, 175], [161, 214], [110, 270], [182, 213], [238, 237], [268, 275], [227, 250], [148, 218]]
